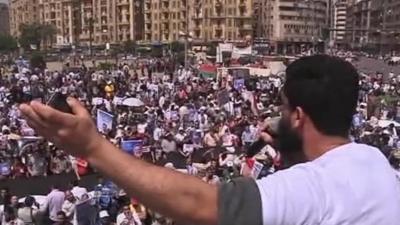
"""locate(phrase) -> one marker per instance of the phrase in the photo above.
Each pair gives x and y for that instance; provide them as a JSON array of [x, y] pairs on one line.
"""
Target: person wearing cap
[[332, 181], [128, 217], [104, 218]]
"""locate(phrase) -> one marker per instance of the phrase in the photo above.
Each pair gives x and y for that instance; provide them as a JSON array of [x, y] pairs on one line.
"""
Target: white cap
[[103, 214], [169, 165]]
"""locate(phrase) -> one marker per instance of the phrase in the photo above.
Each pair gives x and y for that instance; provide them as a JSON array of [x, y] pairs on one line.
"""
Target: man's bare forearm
[[168, 192]]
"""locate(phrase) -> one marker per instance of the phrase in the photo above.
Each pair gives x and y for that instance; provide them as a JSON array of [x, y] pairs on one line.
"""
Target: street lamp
[[188, 37]]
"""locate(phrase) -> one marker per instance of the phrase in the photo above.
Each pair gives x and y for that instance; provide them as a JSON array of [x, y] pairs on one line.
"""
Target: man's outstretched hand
[[74, 133]]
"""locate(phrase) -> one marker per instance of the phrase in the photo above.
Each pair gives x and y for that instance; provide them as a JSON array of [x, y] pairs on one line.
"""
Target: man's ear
[[298, 117]]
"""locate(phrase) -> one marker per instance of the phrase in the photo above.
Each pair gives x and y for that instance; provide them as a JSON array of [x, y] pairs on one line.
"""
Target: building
[[374, 25], [213, 20], [218, 20], [358, 23], [82, 22], [165, 20], [4, 19], [339, 20], [293, 26], [22, 12], [384, 26]]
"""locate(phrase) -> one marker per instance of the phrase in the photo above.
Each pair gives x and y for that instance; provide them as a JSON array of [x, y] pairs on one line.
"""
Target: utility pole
[[187, 34], [91, 36]]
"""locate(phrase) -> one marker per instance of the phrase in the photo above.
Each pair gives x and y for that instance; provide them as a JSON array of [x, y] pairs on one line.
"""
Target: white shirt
[[123, 220], [78, 192], [349, 185]]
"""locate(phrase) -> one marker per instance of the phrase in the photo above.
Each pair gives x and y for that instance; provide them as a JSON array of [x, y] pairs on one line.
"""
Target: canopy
[[132, 102]]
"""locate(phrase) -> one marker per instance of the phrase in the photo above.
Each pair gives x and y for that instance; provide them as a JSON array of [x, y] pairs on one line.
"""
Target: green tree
[[8, 43], [37, 61], [48, 32], [211, 50], [177, 47], [129, 47], [156, 52], [35, 34]]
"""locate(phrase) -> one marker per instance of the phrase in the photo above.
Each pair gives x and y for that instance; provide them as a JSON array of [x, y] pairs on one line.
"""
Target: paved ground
[[368, 65]]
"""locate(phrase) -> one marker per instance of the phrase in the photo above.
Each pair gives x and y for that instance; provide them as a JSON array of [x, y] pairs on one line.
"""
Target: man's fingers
[[77, 107], [50, 115], [31, 115]]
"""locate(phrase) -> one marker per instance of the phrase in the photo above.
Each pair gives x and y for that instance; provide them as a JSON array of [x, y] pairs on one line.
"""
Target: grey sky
[[4, 1]]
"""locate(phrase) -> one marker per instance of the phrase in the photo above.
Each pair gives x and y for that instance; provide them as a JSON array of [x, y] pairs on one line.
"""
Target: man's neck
[[323, 144]]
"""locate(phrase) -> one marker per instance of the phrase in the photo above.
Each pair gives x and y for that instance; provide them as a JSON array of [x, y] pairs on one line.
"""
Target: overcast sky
[[3, 0]]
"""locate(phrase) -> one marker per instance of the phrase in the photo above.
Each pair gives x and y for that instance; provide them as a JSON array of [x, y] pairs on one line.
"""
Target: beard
[[290, 144]]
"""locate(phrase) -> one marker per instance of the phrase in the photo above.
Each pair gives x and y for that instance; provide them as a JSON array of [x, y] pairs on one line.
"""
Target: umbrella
[[133, 102]]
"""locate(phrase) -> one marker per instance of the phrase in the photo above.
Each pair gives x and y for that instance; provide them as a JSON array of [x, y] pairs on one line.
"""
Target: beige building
[[22, 12], [374, 25], [218, 20], [291, 26], [4, 19], [210, 20], [79, 22], [164, 20], [340, 22]]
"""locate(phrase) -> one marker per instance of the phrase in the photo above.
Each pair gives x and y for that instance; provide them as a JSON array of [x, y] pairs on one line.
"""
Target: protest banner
[[131, 146], [104, 121], [256, 170], [239, 84]]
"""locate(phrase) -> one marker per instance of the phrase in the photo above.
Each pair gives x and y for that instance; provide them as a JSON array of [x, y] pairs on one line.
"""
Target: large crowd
[[180, 119]]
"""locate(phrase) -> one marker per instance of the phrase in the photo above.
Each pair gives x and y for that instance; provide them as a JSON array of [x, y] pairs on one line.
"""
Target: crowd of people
[[181, 120]]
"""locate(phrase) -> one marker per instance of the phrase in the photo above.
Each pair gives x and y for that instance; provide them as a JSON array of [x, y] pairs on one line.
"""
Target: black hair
[[29, 201], [75, 183], [326, 88]]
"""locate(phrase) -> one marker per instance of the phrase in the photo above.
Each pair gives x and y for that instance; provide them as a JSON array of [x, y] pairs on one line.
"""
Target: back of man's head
[[326, 88]]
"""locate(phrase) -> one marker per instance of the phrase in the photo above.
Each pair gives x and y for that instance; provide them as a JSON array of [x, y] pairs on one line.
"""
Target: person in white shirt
[[128, 217], [77, 191], [69, 207], [329, 180]]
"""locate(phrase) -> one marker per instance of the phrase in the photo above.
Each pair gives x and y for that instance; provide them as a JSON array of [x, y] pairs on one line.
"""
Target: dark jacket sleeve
[[239, 203]]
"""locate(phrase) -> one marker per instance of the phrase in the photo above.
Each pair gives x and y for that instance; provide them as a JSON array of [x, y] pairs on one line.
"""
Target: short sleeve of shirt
[[290, 197], [239, 203]]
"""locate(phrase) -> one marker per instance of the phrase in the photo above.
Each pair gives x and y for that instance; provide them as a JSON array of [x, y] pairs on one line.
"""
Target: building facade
[[339, 21], [82, 22], [165, 20], [292, 26], [218, 20], [358, 23], [374, 25], [210, 20], [4, 19], [22, 12]]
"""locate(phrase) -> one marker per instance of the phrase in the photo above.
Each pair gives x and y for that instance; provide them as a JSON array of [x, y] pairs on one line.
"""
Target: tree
[[129, 47], [35, 34], [177, 47], [37, 61], [8, 43], [212, 50], [156, 52], [48, 32]]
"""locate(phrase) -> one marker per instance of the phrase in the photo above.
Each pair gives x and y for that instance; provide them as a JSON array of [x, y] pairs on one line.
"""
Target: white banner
[[237, 52], [225, 47]]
